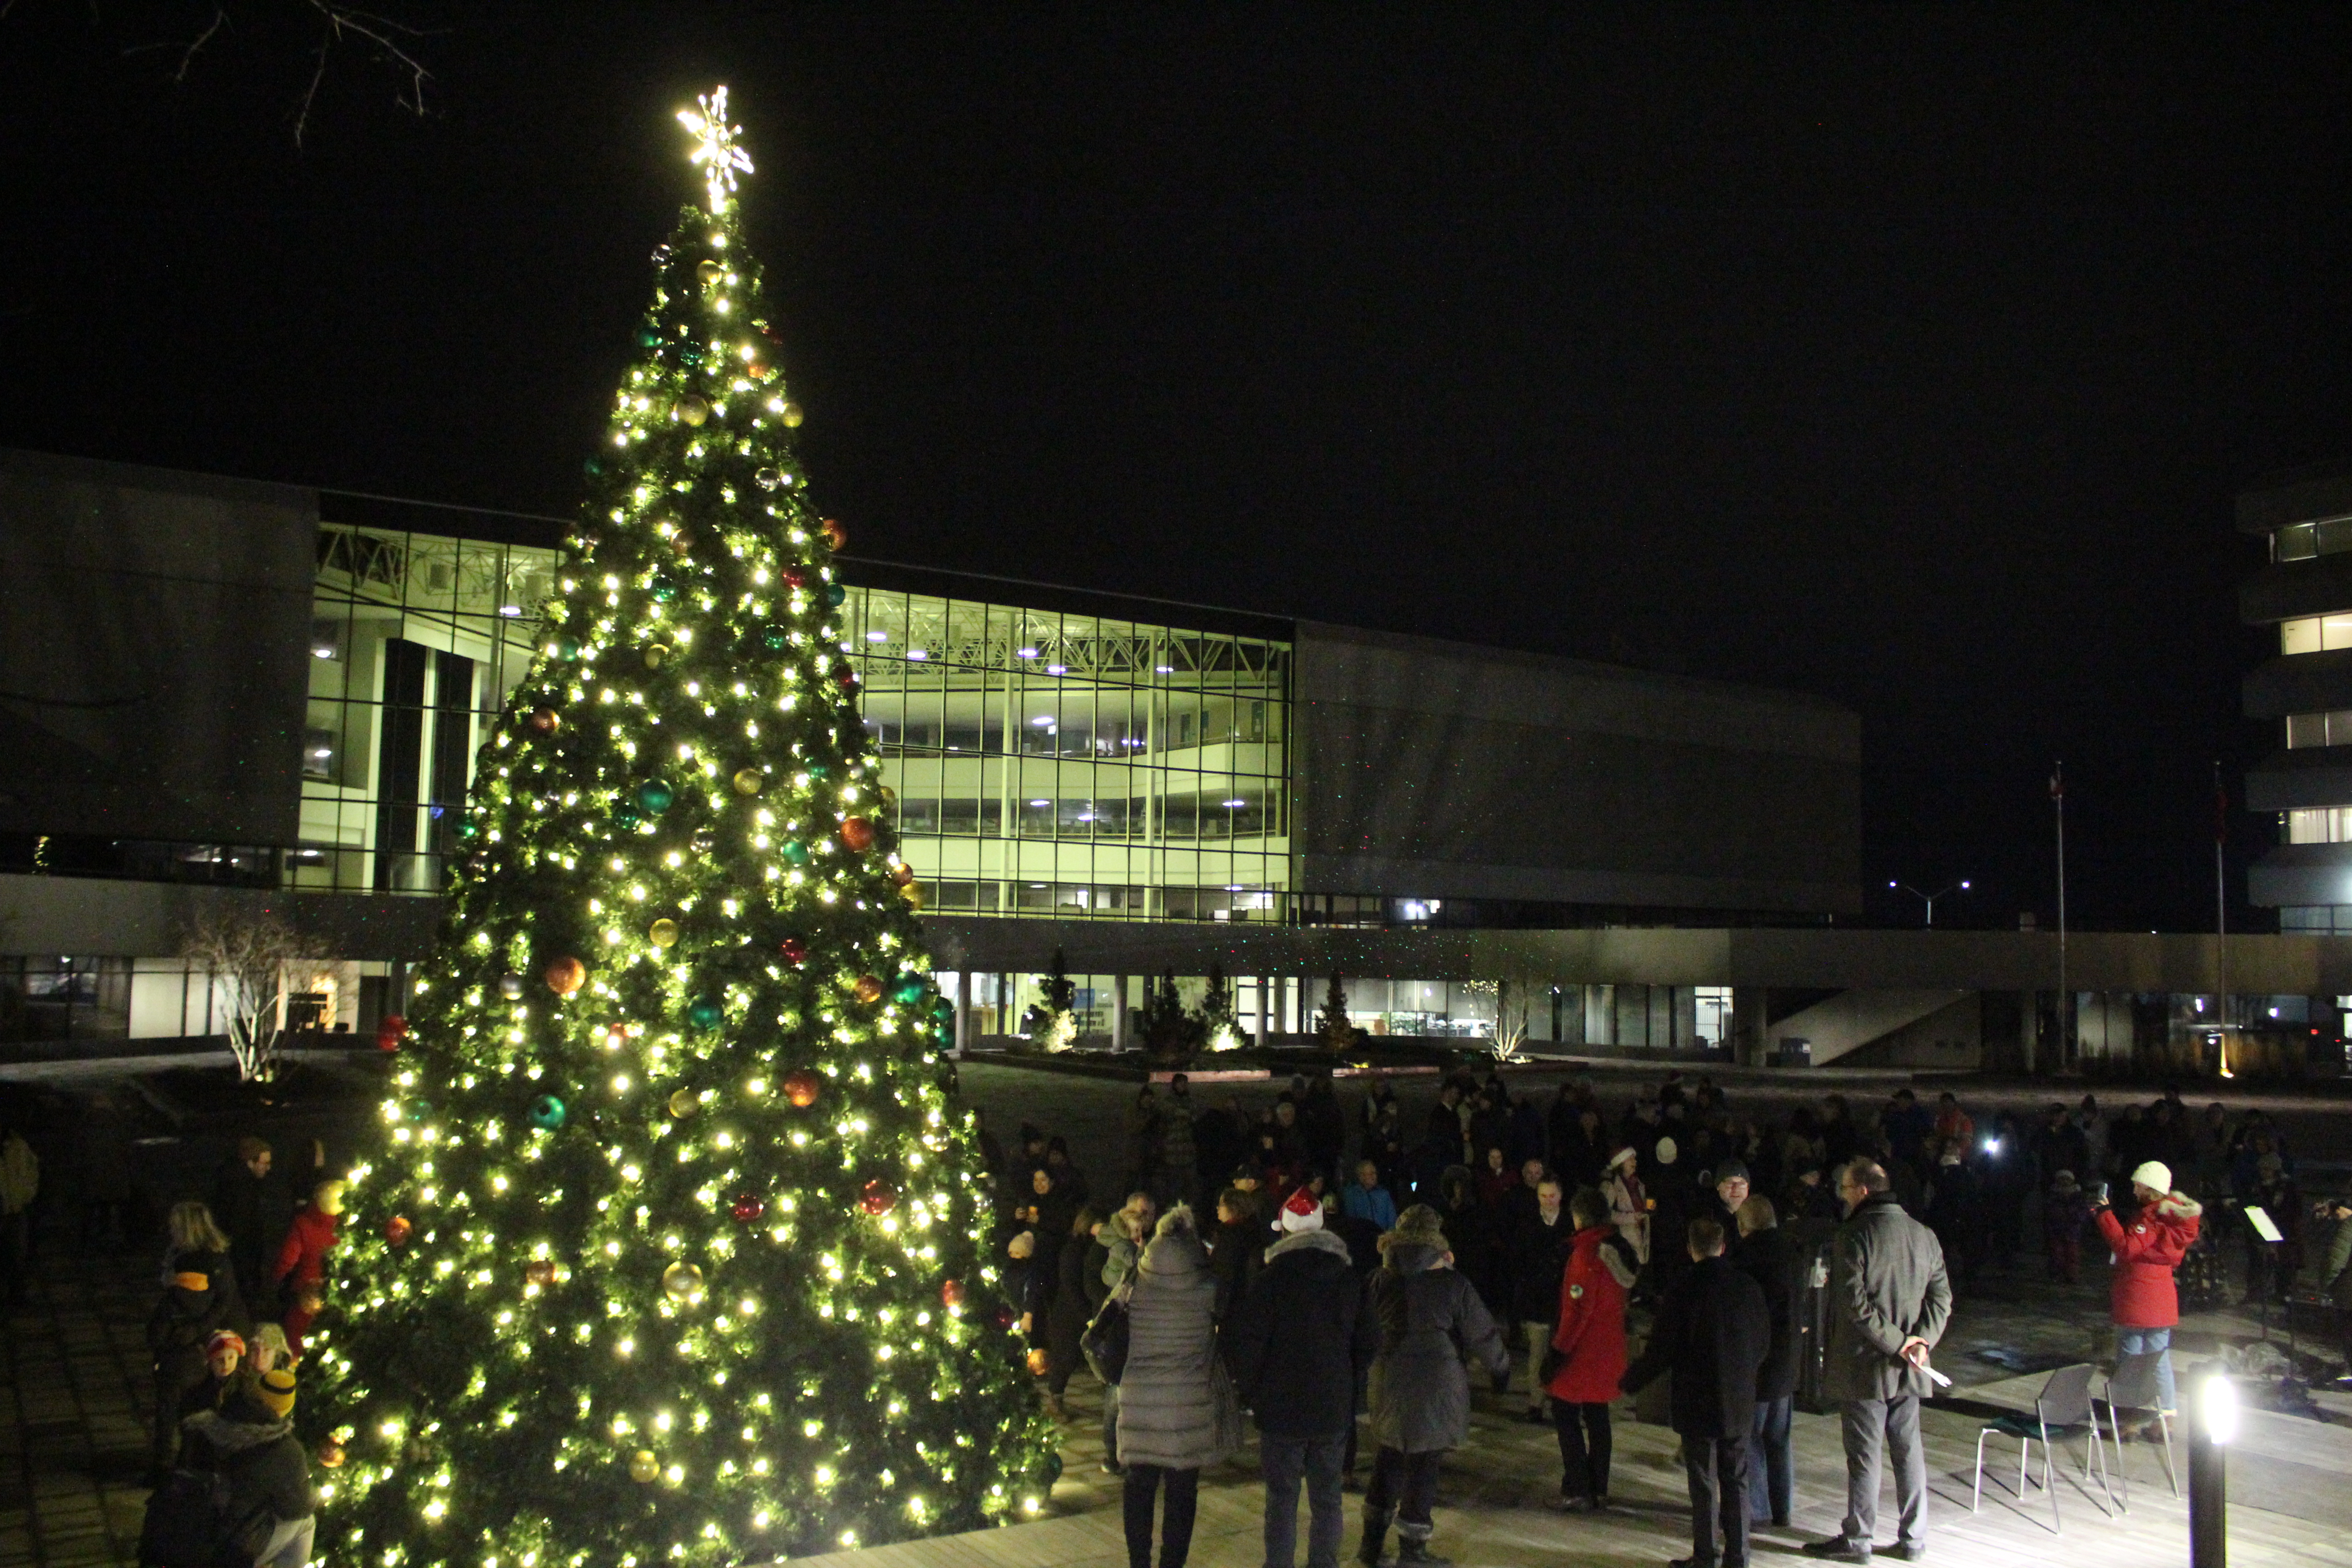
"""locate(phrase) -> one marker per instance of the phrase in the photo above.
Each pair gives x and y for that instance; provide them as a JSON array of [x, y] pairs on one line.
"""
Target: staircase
[[1841, 1024]]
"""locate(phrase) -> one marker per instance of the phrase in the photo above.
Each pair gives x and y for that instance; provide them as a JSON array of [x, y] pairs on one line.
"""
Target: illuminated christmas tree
[[674, 1248]]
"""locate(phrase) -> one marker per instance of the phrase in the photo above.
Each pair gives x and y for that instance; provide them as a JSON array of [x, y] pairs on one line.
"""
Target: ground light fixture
[[2212, 1425]]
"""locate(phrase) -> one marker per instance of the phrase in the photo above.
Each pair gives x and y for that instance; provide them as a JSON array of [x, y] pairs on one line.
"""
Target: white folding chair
[[2132, 1387], [2061, 1410]]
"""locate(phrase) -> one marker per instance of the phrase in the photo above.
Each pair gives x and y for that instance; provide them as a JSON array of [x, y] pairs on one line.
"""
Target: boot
[[1376, 1536], [1413, 1552]]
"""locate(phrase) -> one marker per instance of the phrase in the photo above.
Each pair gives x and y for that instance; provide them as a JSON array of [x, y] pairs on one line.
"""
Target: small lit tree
[[247, 955], [1331, 1023], [1170, 1032], [1218, 1030], [1050, 1022]]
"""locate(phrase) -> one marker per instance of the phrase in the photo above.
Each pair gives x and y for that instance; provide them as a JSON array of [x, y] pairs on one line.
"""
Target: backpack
[[188, 1525]]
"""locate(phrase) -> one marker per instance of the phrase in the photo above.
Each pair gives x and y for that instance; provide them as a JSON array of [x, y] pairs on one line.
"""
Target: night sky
[[1910, 357]]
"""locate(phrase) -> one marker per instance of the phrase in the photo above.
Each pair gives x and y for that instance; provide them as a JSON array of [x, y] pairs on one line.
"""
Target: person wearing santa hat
[[2141, 1298], [1295, 1343]]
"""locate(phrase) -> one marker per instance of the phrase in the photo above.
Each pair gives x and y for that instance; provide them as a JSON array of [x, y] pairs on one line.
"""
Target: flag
[[2057, 785]]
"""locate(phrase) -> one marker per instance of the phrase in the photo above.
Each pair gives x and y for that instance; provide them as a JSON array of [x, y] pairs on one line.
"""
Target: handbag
[[1104, 1343]]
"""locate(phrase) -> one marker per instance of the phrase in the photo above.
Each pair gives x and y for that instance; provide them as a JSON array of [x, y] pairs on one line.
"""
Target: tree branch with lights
[[673, 1248]]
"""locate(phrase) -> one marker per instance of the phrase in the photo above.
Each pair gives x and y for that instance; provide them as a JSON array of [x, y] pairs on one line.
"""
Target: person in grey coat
[[1890, 1301], [1177, 1407], [1431, 1322]]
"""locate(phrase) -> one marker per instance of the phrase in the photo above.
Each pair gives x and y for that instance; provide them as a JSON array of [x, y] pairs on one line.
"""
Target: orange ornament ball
[[878, 1198], [902, 873], [835, 534], [331, 1455], [398, 1229], [868, 989], [540, 1272], [857, 834], [802, 1088], [543, 722], [1040, 1364], [566, 975]]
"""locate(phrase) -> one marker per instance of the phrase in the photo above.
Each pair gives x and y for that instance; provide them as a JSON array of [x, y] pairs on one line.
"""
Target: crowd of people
[[241, 1281], [1308, 1268]]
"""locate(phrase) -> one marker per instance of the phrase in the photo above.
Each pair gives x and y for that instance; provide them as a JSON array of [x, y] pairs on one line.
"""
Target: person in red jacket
[[301, 1268], [1588, 1350], [2142, 1300]]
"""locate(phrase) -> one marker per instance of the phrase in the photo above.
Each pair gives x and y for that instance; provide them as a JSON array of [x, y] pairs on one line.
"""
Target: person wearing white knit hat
[[2142, 1300]]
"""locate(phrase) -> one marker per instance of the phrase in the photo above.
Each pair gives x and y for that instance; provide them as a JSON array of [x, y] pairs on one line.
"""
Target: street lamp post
[[1929, 898], [2213, 1423]]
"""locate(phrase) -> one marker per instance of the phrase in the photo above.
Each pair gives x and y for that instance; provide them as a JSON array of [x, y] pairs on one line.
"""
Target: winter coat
[[266, 1470], [303, 1261], [1770, 1259], [1713, 1332], [2141, 1295], [1299, 1337], [253, 1211], [1430, 1320], [1072, 1308], [1178, 1158], [1590, 1332], [1177, 1407], [1538, 1253], [189, 1314], [1371, 1203], [1628, 1208], [1236, 1255], [1120, 1254], [1887, 1284]]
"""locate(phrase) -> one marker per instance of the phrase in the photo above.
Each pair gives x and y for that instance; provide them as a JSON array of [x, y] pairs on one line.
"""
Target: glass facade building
[[1039, 762]]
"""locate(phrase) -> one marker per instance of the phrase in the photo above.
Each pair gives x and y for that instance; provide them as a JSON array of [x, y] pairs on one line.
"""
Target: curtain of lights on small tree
[[673, 1250]]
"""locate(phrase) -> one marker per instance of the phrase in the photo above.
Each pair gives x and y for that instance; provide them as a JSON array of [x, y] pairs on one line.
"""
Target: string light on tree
[[672, 1253]]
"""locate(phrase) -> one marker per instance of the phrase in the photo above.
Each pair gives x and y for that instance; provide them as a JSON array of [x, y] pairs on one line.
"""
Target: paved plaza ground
[[72, 1442]]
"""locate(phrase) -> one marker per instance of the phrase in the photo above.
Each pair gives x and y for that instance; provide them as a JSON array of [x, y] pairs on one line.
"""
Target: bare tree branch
[[377, 30], [245, 957]]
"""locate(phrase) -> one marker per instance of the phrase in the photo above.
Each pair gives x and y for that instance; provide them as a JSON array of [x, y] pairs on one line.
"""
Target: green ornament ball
[[794, 850], [775, 639], [908, 989], [418, 1110], [567, 647], [547, 1112], [690, 354], [627, 817], [654, 796], [836, 595], [705, 1013], [819, 770], [662, 590], [650, 338]]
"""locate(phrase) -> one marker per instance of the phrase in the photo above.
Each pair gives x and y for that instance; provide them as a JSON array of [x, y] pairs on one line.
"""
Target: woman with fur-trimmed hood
[[1431, 1322], [2141, 1298]]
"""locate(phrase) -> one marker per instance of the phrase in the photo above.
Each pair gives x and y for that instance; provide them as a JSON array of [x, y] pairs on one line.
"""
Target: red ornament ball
[[391, 1031], [801, 1088], [794, 950], [540, 1272], [1006, 1316], [868, 989], [748, 1207], [902, 873], [543, 722], [397, 1230], [795, 578], [951, 1295], [835, 534], [878, 1198], [845, 677], [857, 834], [566, 975]]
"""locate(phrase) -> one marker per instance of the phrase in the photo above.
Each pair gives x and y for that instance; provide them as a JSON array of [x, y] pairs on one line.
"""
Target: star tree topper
[[715, 145]]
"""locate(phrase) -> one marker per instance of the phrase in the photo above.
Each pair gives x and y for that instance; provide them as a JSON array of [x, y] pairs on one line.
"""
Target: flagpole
[[2058, 799], [2221, 914]]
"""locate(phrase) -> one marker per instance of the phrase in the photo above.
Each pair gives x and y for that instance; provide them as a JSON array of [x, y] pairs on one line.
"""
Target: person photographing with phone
[[2141, 1299]]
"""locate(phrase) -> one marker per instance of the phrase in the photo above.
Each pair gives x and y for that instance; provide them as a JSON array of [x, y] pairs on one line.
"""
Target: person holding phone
[[2142, 1300]]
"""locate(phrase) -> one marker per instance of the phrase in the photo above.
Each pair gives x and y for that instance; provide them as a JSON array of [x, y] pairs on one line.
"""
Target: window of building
[[2301, 541], [2316, 634], [2333, 727], [2321, 824]]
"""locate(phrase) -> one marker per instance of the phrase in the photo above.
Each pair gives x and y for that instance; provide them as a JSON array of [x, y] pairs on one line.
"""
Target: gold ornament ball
[[749, 780], [683, 1103], [644, 1468], [682, 1280], [693, 410], [710, 272], [914, 895], [331, 1455], [792, 415], [655, 654], [662, 932]]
